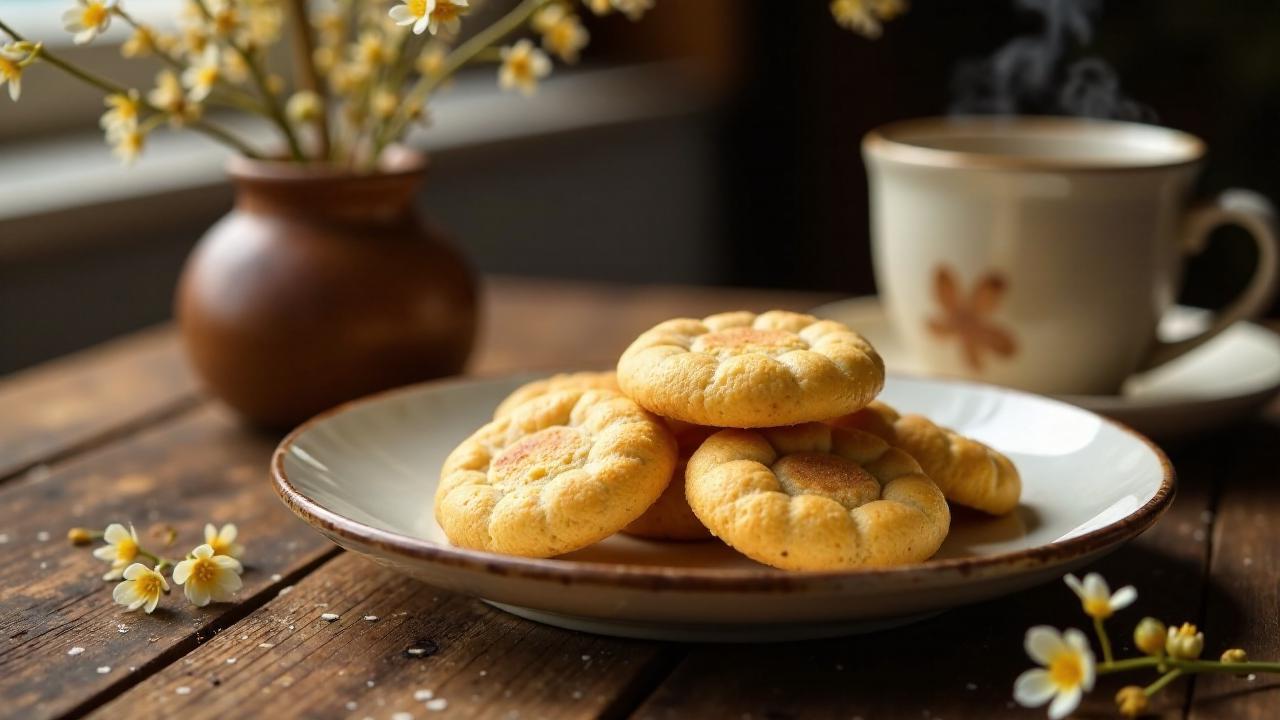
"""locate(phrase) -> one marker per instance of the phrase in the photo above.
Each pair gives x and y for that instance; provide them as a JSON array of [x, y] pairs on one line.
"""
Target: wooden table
[[122, 433]]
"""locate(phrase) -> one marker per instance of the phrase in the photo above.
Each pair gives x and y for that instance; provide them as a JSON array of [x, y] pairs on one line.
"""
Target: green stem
[[107, 86], [269, 100], [1164, 680], [1187, 666], [453, 62], [1103, 640]]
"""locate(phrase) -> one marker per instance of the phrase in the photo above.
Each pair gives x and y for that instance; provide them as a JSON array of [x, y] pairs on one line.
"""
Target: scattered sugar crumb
[[122, 628], [483, 673], [586, 658], [285, 590], [133, 668], [266, 646], [1198, 535], [75, 650], [276, 577], [244, 637], [1252, 677], [416, 651], [182, 690], [4, 538], [290, 627], [437, 705], [423, 695], [577, 694], [369, 683], [104, 669], [44, 564], [371, 618], [322, 605], [329, 617], [231, 661], [401, 716], [1248, 562], [351, 705], [43, 536]]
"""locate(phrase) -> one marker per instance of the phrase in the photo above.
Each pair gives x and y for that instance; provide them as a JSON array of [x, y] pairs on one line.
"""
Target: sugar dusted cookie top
[[745, 370], [558, 473], [816, 497], [969, 473]]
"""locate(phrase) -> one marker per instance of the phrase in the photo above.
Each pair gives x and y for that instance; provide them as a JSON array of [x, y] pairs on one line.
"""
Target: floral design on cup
[[968, 317]]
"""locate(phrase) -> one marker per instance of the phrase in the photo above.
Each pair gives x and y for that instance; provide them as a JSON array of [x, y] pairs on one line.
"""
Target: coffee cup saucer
[[1226, 379]]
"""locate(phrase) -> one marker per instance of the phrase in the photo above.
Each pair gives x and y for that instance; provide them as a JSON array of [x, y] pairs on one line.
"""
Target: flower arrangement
[[1069, 668], [209, 573], [364, 70]]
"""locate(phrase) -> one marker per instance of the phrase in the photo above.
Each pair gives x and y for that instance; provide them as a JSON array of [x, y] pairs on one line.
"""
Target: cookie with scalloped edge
[[742, 370]]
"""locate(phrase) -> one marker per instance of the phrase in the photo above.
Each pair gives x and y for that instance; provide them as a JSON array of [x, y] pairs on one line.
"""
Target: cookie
[[587, 380], [816, 497], [969, 473], [558, 473], [741, 370], [671, 518]]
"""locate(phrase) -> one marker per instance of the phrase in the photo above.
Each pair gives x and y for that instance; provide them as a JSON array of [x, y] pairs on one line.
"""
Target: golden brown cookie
[[586, 380], [969, 473], [557, 474], [744, 370], [816, 497], [671, 518]]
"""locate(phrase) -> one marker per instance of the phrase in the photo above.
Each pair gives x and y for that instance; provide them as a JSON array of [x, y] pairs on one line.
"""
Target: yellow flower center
[[9, 69], [1065, 670], [520, 66], [149, 585], [417, 8], [204, 571], [446, 11], [1097, 608], [126, 550], [207, 76], [93, 15]]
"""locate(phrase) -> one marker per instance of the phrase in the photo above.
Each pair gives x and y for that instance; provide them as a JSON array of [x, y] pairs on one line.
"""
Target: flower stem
[[269, 99], [1103, 640], [107, 86], [1164, 680], [1187, 666], [304, 61], [453, 62]]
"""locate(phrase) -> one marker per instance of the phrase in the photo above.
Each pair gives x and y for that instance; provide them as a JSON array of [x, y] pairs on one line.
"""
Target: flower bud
[[305, 106], [1234, 655], [1132, 701], [1149, 636], [1184, 643], [79, 536]]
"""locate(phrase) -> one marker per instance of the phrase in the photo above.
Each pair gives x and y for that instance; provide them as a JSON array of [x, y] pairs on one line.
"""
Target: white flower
[[562, 33], [447, 15], [127, 144], [88, 20], [168, 96], [522, 66], [599, 7], [1067, 674], [865, 16], [414, 12], [207, 577], [1096, 598], [304, 106], [120, 550], [203, 74], [223, 541], [122, 115], [11, 60], [142, 588], [633, 9]]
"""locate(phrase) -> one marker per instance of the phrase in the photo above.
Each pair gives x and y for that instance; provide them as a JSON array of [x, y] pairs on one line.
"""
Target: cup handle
[[1255, 214]]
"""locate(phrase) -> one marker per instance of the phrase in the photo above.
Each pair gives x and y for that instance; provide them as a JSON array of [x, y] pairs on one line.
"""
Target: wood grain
[[961, 664], [285, 660], [1243, 591], [91, 397], [200, 468]]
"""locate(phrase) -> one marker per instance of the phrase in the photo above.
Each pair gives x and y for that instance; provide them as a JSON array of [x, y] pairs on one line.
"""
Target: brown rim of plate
[[692, 579], [893, 142]]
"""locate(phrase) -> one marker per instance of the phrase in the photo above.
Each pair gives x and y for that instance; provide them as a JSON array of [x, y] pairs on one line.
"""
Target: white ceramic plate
[[365, 474], [1226, 379]]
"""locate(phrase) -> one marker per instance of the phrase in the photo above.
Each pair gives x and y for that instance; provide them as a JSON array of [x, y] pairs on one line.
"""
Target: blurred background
[[714, 142]]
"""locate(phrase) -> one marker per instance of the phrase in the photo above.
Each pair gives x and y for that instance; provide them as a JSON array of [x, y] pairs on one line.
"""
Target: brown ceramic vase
[[321, 286]]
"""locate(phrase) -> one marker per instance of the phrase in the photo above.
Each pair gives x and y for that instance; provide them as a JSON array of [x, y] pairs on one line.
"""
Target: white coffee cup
[[1041, 252]]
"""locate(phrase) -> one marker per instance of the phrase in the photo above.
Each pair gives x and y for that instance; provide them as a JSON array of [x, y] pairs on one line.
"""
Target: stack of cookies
[[760, 430]]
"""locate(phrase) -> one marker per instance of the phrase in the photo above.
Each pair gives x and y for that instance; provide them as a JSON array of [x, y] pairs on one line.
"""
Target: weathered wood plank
[[200, 468], [285, 660], [91, 397], [1243, 594], [961, 664]]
